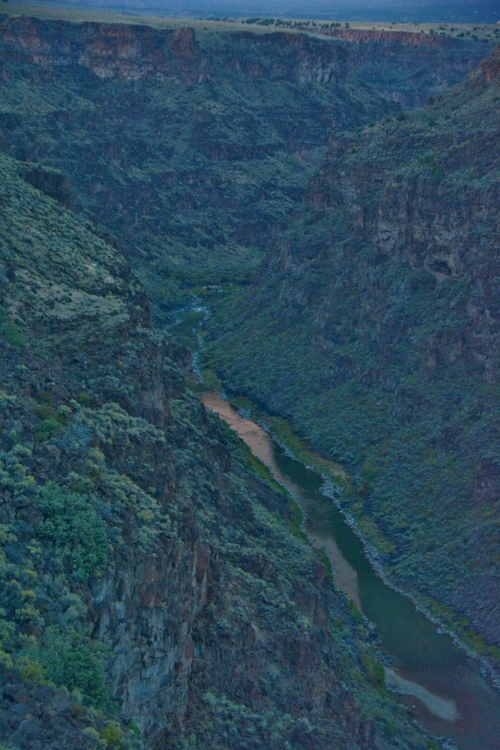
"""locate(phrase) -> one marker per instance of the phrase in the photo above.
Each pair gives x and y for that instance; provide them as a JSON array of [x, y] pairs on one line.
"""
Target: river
[[438, 683]]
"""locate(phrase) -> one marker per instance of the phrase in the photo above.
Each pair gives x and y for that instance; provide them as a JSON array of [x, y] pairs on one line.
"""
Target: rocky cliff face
[[138, 52], [109, 50], [388, 37], [440, 216], [487, 72], [155, 588], [377, 322]]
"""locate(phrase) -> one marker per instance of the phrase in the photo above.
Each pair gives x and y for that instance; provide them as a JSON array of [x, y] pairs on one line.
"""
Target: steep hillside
[[191, 147], [155, 587], [374, 328]]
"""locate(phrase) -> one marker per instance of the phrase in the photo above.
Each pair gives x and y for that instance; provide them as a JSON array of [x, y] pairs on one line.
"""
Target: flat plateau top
[[46, 12]]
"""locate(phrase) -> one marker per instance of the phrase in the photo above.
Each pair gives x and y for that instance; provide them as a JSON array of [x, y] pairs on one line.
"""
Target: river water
[[440, 686]]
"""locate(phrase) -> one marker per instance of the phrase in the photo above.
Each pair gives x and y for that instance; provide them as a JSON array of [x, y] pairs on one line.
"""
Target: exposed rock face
[[51, 182], [435, 59], [377, 322], [109, 50], [131, 520], [149, 624], [487, 72], [406, 38], [447, 226], [138, 52]]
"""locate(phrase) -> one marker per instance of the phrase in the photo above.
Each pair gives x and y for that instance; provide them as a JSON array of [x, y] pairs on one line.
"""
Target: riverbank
[[452, 698], [420, 648], [376, 547]]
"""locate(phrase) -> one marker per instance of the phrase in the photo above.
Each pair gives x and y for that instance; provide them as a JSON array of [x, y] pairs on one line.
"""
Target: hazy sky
[[466, 11]]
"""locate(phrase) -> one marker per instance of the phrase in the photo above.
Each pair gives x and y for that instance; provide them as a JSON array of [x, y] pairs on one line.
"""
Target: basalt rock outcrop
[[155, 588], [377, 324], [137, 52], [109, 50], [388, 37]]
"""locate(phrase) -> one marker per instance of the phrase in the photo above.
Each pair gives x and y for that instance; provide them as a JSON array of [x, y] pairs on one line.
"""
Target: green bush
[[47, 429], [72, 523], [438, 174], [112, 734], [85, 399], [10, 331], [45, 411], [94, 734], [375, 671], [70, 660], [52, 418]]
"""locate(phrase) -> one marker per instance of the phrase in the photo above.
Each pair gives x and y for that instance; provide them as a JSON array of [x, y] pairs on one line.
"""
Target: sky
[[422, 11]]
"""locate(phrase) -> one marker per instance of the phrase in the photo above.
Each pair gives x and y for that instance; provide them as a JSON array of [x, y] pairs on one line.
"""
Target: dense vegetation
[[53, 536], [119, 494], [374, 330]]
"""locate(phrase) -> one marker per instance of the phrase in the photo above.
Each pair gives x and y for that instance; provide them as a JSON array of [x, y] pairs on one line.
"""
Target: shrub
[[112, 734], [438, 174], [52, 418], [85, 399], [374, 670], [94, 734], [7, 630], [47, 429], [354, 611], [69, 660], [72, 523], [10, 331], [30, 669]]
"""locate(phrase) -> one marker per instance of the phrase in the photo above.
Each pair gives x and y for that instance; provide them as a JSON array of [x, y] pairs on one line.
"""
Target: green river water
[[439, 684]]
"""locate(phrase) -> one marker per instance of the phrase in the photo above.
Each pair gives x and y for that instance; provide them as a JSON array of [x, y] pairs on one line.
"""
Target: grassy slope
[[375, 360]]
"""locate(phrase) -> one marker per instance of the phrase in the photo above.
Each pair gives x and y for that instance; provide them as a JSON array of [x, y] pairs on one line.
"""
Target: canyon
[[137, 533], [191, 148], [157, 586], [387, 288]]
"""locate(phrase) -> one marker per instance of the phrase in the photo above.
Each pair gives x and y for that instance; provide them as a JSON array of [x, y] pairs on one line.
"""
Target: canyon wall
[[192, 147], [376, 319]]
